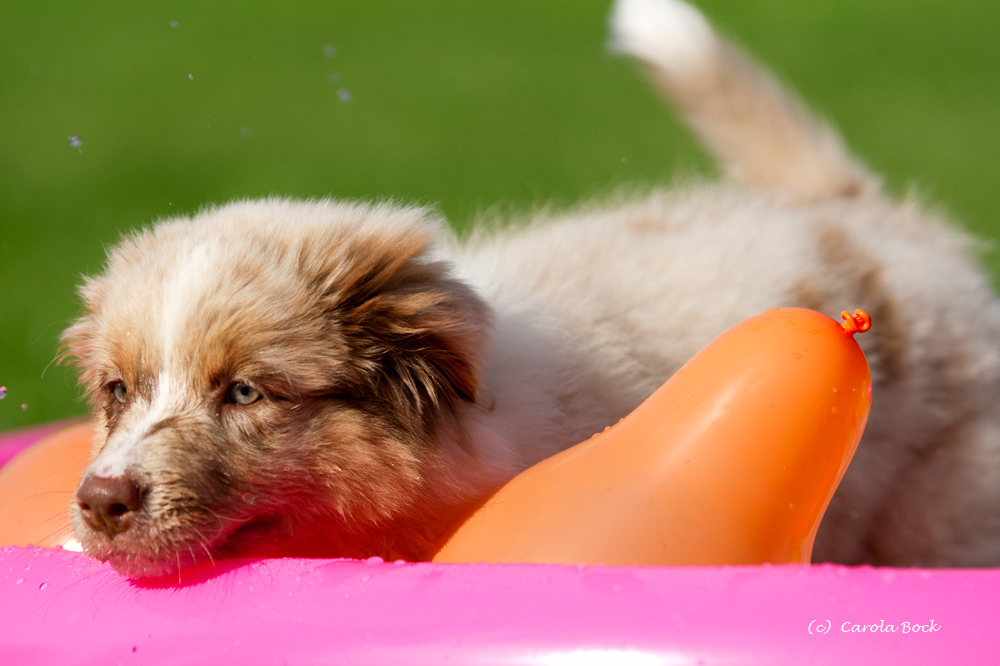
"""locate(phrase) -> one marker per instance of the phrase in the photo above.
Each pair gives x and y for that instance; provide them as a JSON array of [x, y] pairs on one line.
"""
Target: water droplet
[[796, 355], [330, 51], [74, 141], [18, 581], [174, 24], [374, 560], [246, 132], [27, 568], [344, 95], [24, 407], [43, 586], [624, 160], [3, 392]]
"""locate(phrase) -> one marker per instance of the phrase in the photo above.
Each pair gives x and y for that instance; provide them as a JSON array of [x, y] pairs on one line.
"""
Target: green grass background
[[459, 104]]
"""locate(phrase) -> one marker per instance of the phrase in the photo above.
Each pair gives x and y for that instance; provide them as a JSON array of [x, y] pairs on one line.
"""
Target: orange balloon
[[37, 487], [732, 461]]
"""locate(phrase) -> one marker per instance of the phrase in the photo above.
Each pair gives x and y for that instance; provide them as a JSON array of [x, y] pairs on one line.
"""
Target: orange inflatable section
[[37, 487], [732, 461]]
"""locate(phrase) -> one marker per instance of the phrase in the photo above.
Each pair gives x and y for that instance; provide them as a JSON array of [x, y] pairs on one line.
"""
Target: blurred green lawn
[[464, 105]]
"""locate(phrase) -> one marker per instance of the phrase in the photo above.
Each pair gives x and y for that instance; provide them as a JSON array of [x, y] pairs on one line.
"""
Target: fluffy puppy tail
[[762, 135]]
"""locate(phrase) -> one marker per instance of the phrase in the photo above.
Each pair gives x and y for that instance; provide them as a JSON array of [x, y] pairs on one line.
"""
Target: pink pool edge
[[59, 607]]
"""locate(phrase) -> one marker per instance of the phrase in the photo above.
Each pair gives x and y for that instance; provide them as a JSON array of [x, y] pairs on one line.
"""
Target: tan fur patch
[[853, 279]]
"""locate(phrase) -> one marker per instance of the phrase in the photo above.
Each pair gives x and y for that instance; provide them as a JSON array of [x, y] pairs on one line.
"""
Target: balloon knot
[[859, 322]]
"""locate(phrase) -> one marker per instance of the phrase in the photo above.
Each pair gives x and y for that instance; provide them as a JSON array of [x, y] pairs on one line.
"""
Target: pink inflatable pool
[[58, 607]]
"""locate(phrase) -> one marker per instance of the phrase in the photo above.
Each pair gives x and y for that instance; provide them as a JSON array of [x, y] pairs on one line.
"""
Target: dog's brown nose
[[109, 503]]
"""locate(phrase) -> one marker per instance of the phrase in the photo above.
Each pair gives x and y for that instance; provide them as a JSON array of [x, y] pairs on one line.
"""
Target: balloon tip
[[859, 322]]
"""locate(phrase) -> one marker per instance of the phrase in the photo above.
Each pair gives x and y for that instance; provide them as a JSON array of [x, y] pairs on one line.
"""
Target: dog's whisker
[[204, 545]]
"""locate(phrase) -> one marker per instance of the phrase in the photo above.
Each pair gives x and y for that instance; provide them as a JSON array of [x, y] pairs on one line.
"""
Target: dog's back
[[616, 298]]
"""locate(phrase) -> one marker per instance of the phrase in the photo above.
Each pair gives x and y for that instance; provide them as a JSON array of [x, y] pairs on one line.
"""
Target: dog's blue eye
[[119, 390], [243, 394]]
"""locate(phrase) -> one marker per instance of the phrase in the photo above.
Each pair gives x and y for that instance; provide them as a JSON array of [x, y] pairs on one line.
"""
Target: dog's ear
[[79, 345], [415, 334]]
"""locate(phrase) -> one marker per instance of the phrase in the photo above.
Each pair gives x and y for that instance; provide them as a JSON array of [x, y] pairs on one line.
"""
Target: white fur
[[670, 33], [190, 279], [124, 450]]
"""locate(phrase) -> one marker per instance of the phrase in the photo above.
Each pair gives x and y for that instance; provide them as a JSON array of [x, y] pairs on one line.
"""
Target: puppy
[[341, 379]]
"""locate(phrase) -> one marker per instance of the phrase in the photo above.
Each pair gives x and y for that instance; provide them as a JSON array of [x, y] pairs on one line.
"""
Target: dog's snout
[[109, 504]]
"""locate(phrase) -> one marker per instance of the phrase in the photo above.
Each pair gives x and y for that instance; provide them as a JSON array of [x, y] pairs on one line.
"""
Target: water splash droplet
[[27, 568], [74, 141], [18, 581], [24, 407], [3, 392], [344, 95], [174, 24], [191, 76], [330, 51], [43, 586]]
